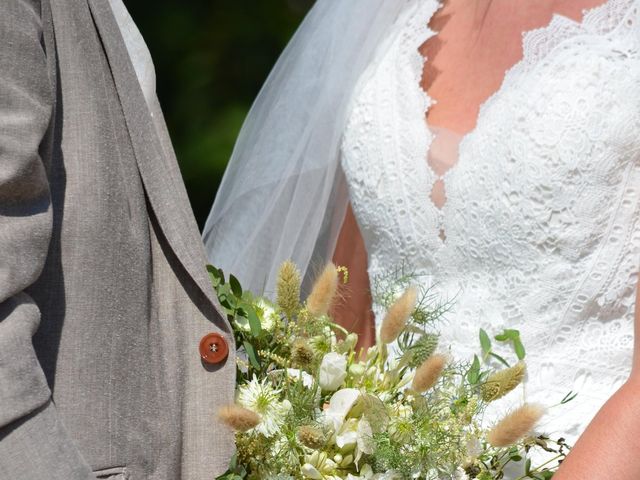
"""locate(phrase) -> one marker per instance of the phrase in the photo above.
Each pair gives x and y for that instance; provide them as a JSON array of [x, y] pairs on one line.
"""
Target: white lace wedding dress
[[541, 220]]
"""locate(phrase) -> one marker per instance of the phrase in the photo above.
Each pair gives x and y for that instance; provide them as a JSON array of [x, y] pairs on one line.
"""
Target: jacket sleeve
[[33, 441]]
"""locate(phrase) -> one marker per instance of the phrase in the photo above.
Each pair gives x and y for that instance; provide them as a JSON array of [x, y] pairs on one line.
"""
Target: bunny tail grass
[[238, 417], [398, 314], [515, 425], [428, 373], [324, 291], [288, 288]]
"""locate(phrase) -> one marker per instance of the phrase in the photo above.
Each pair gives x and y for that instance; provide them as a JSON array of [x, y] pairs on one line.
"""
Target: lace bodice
[[541, 218]]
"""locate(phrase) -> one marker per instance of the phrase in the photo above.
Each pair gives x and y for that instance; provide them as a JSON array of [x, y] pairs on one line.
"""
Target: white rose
[[333, 371]]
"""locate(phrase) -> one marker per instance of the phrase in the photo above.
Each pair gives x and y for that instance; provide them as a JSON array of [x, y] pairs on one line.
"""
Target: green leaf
[[231, 300], [500, 359], [224, 301], [485, 342], [473, 374], [227, 300], [251, 353], [254, 321], [235, 286], [483, 376], [519, 348], [223, 291], [215, 275], [507, 334], [568, 397], [527, 466]]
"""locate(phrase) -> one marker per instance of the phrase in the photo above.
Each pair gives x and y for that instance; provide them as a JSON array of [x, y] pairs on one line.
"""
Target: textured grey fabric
[[137, 49], [103, 291]]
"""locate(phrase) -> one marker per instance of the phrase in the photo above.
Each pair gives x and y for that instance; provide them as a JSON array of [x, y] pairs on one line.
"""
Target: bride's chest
[[554, 154]]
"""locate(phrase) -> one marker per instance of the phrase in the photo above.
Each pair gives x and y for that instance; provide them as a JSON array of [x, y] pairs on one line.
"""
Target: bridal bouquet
[[308, 406]]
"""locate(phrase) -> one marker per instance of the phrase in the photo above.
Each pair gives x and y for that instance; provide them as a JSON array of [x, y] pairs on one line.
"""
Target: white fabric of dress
[[542, 214]]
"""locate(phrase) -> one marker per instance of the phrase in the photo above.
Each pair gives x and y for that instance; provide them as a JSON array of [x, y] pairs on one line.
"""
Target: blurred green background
[[211, 58]]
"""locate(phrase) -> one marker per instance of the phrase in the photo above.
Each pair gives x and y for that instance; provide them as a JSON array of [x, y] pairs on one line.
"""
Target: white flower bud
[[333, 371]]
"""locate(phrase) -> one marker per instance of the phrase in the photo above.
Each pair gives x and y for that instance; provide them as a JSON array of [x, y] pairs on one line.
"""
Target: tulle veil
[[283, 194]]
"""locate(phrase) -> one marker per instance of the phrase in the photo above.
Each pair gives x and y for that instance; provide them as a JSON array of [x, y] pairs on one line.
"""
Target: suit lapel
[[162, 181]]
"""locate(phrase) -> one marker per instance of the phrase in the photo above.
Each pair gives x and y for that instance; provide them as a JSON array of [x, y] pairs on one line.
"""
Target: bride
[[492, 147]]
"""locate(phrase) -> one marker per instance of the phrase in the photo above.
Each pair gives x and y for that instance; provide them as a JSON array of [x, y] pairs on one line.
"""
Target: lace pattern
[[542, 211]]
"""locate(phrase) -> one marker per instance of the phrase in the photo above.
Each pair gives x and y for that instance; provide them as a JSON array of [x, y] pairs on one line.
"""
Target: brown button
[[213, 348]]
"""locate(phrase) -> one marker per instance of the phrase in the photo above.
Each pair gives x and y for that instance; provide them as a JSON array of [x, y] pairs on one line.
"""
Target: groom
[[114, 356]]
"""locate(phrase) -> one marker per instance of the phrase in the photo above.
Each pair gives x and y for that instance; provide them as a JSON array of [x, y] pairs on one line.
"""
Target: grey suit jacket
[[104, 294]]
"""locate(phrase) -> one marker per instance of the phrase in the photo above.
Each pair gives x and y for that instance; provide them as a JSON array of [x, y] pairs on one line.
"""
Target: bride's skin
[[474, 46]]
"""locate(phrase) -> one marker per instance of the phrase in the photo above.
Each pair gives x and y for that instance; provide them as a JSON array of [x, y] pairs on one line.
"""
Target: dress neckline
[[527, 61]]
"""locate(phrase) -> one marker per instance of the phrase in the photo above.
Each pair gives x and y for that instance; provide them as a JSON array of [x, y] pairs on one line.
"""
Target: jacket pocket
[[113, 473]]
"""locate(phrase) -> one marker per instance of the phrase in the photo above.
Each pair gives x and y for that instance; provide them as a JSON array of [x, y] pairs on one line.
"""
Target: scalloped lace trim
[[537, 44]]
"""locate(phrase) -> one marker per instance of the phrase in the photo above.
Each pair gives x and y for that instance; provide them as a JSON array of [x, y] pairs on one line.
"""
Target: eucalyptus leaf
[[507, 334], [235, 286], [231, 299], [215, 275], [251, 353], [254, 321], [224, 301], [519, 348], [223, 290], [485, 342], [473, 375]]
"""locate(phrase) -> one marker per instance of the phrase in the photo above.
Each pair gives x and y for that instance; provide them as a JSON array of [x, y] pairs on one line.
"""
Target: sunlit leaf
[[485, 342], [473, 375], [251, 353], [519, 348], [254, 321]]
